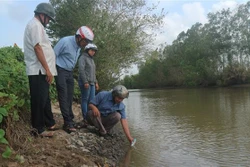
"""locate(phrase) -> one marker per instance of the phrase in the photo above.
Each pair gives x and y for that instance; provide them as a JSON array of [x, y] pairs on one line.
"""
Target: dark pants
[[104, 124], [41, 113], [65, 90]]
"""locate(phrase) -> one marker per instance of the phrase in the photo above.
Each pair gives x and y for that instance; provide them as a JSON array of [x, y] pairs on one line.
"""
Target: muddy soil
[[79, 149]]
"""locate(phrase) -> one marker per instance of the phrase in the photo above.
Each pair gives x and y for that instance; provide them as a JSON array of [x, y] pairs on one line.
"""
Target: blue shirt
[[106, 105], [67, 52]]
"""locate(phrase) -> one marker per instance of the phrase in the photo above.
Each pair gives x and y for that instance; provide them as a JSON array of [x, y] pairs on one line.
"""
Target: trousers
[[87, 94], [41, 113], [104, 124], [65, 91]]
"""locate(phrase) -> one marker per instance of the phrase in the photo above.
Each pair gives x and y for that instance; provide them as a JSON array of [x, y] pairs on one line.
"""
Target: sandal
[[53, 128], [80, 125], [69, 129], [46, 134]]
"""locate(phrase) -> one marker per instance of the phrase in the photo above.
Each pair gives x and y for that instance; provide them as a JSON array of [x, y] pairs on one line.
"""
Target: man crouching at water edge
[[107, 108]]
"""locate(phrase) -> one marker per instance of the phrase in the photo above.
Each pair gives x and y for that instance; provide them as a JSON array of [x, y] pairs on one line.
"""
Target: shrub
[[14, 97]]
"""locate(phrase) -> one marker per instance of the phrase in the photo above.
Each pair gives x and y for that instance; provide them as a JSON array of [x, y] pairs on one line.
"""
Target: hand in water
[[133, 142]]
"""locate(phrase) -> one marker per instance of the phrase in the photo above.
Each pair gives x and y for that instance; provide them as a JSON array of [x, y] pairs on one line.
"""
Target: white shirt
[[34, 33]]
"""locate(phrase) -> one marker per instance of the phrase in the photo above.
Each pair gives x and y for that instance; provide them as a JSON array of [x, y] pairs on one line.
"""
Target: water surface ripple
[[189, 127]]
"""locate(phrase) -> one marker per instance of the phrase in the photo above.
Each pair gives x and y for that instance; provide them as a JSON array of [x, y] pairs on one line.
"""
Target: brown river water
[[208, 127]]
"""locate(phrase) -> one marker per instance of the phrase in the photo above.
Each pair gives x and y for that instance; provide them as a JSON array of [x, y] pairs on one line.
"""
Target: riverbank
[[79, 149]]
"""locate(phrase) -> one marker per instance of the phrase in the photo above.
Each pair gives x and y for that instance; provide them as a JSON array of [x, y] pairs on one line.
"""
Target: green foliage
[[2, 133], [7, 103], [7, 153], [119, 27], [13, 89], [13, 79], [217, 53], [2, 138], [53, 91], [128, 82], [72, 15], [3, 112], [234, 74]]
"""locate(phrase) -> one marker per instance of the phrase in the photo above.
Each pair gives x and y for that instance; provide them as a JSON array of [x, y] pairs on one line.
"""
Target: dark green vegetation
[[214, 54], [120, 29], [13, 97]]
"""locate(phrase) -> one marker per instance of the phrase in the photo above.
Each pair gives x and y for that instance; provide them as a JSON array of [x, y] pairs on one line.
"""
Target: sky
[[181, 15]]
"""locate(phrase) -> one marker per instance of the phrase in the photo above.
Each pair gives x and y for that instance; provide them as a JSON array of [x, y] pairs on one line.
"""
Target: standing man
[[107, 109], [40, 60], [67, 51]]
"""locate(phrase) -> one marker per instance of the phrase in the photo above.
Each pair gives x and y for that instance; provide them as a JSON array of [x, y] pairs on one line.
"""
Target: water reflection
[[189, 127], [126, 161]]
